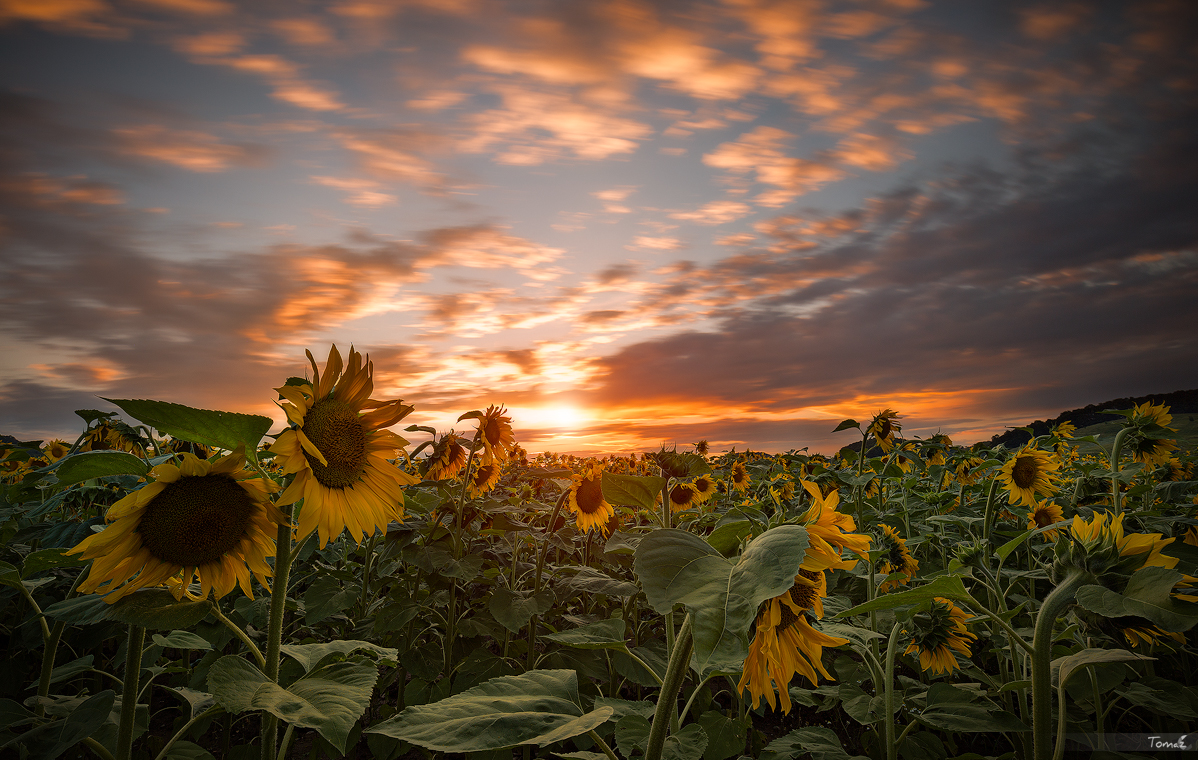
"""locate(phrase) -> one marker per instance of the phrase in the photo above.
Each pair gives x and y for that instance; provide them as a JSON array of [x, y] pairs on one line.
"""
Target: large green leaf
[[181, 640], [1148, 595], [1063, 667], [677, 567], [593, 581], [946, 586], [223, 430], [47, 559], [538, 707], [632, 490], [157, 610], [325, 597], [821, 743], [314, 655], [725, 736], [632, 733], [606, 634], [726, 537], [329, 699], [513, 610], [79, 610], [970, 718], [98, 464]]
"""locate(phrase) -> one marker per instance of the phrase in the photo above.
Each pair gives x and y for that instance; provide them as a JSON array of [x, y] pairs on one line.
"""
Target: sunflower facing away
[[896, 559], [883, 428], [1028, 474], [213, 520], [785, 643], [586, 500], [1045, 513], [939, 631], [495, 432], [829, 532], [339, 454], [447, 460]]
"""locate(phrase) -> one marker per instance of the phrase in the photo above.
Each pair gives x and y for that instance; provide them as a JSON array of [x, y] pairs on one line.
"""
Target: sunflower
[[586, 500], [939, 631], [1144, 632], [56, 449], [785, 643], [1152, 451], [447, 460], [1028, 474], [702, 447], [1149, 413], [1064, 431], [895, 559], [180, 446], [1191, 536], [495, 432], [683, 496], [829, 532], [483, 479], [739, 477], [1045, 513], [705, 487], [883, 427], [213, 520], [338, 454], [965, 470]]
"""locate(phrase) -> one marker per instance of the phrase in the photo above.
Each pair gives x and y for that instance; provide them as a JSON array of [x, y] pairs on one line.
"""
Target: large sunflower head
[[1028, 474], [739, 477], [1150, 414], [56, 449], [494, 432], [964, 470], [1045, 513], [683, 496], [884, 427], [1100, 546], [896, 558], [1151, 451], [936, 633], [448, 458], [705, 487], [586, 500], [211, 520], [484, 478], [339, 454]]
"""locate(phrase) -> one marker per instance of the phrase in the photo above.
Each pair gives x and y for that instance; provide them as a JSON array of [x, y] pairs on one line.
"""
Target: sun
[[556, 416]]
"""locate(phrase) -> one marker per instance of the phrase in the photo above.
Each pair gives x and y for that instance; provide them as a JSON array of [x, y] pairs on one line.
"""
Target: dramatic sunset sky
[[631, 222]]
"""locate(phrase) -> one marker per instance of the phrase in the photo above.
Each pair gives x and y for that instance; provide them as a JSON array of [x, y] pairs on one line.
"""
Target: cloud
[[715, 212], [187, 149], [361, 192], [760, 153]]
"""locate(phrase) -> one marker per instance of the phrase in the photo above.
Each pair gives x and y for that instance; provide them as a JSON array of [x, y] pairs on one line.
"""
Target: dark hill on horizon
[[1179, 402]]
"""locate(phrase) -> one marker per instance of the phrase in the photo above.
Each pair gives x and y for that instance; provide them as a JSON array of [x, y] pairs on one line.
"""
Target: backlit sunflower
[[702, 447], [939, 631], [739, 477], [586, 500], [483, 479], [1045, 513], [965, 470], [211, 520], [705, 487], [896, 559], [683, 496], [785, 643], [1149, 413], [883, 428], [1151, 451], [1028, 474], [829, 532], [447, 460], [495, 433], [339, 454], [1065, 430]]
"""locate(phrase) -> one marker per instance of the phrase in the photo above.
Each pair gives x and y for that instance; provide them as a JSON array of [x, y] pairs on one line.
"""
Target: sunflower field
[[190, 587]]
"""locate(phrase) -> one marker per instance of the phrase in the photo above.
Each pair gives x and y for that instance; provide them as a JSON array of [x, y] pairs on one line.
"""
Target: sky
[[632, 223]]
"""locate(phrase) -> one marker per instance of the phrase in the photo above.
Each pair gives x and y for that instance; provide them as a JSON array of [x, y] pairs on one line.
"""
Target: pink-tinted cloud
[[187, 149]]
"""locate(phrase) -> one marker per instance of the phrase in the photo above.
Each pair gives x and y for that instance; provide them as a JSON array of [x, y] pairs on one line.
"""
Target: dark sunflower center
[[1042, 517], [884, 429], [1023, 474], [738, 476], [337, 432], [787, 618], [196, 520], [493, 432], [590, 496], [802, 594], [483, 474], [680, 495], [702, 485]]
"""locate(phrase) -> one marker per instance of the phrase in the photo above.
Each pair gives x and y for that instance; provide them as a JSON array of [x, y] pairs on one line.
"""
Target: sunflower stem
[[50, 651], [1054, 605], [124, 736], [667, 698], [186, 727], [236, 629], [530, 656], [602, 745], [1116, 450], [988, 514], [888, 676], [274, 633]]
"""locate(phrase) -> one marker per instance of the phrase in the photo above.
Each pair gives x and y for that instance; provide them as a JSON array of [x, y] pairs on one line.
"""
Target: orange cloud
[[362, 192], [760, 152], [186, 149]]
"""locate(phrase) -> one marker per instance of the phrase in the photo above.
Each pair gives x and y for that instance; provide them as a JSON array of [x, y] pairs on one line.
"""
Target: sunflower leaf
[[539, 707], [157, 610], [632, 490], [329, 699], [1148, 595], [1063, 667], [946, 586], [97, 464], [222, 430], [677, 567], [606, 634]]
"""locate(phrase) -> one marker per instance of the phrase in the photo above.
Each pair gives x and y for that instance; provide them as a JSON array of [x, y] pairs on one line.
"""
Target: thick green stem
[[667, 698], [124, 736], [888, 675], [1116, 449], [602, 745], [187, 727], [274, 633], [236, 629], [283, 745], [51, 650], [1054, 605], [988, 522]]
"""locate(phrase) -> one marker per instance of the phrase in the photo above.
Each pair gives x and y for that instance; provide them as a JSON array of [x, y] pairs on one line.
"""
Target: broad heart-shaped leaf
[[606, 634], [80, 610], [946, 586], [98, 464], [223, 430], [632, 490], [314, 655], [83, 722], [727, 536], [821, 743], [1063, 667], [513, 610], [329, 699], [677, 567], [181, 640], [538, 707], [632, 733], [326, 597], [725, 736], [157, 610], [1148, 595], [46, 559], [846, 424]]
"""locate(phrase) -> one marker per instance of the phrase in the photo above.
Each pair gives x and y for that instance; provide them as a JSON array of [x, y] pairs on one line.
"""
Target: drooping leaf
[[197, 701], [80, 610], [181, 640], [606, 634], [947, 586], [329, 699], [325, 598], [846, 424], [1063, 667], [821, 743], [538, 707], [677, 567], [98, 464], [185, 750], [82, 722], [222, 430], [632, 490], [47, 559], [69, 670], [514, 610], [1147, 595], [314, 655], [593, 581], [158, 610]]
